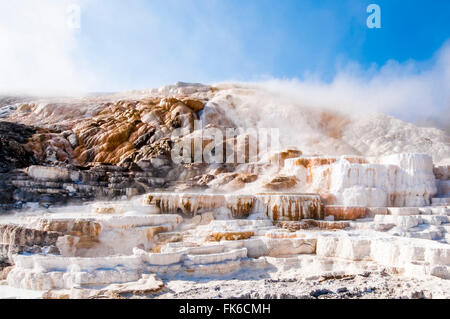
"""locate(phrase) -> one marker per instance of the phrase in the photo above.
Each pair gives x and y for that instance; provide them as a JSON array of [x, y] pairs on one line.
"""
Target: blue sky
[[143, 43], [136, 44]]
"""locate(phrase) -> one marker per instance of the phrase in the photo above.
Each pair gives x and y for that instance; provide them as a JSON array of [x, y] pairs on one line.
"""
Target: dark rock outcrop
[[13, 150], [17, 239]]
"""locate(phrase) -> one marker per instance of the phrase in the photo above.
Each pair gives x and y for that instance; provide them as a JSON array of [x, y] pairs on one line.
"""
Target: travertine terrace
[[94, 207]]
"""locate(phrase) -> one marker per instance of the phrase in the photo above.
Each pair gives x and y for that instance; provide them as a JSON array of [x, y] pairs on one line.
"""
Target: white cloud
[[36, 48], [418, 92]]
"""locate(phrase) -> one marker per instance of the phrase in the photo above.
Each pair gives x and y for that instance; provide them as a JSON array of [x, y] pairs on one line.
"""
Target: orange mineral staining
[[346, 213], [219, 236]]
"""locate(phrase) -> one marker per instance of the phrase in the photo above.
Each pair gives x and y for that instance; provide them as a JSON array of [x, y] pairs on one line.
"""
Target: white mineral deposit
[[300, 218], [308, 159]]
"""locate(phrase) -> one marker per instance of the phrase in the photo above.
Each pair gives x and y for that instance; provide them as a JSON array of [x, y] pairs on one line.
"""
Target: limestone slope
[[126, 117], [122, 144]]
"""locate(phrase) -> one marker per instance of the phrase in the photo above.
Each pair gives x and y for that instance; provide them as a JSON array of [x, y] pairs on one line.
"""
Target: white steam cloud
[[418, 92], [37, 48]]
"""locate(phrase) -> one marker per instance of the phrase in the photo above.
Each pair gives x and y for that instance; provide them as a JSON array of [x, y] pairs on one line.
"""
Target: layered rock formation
[[17, 239], [274, 206], [111, 245], [338, 194], [395, 180], [121, 145]]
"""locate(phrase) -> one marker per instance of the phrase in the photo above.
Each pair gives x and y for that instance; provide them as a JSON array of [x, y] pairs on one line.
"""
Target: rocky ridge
[[120, 145], [339, 203]]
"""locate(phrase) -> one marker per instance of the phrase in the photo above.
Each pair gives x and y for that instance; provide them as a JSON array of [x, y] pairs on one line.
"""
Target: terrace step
[[191, 260], [276, 206], [441, 201]]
